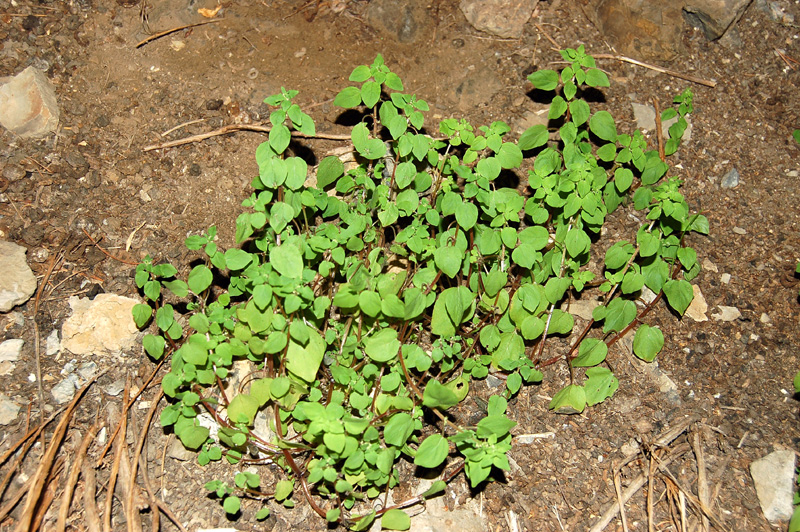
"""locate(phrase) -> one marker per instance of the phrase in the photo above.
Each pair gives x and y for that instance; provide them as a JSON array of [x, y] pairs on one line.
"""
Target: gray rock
[[403, 20], [715, 17], [100, 326], [8, 410], [478, 88], [115, 388], [179, 452], [644, 30], [53, 344], [774, 476], [17, 284], [645, 116], [28, 105], [504, 18], [64, 391], [11, 349], [436, 517], [731, 179]]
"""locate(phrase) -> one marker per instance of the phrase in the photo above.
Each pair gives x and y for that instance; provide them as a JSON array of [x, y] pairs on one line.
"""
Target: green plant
[[364, 297]]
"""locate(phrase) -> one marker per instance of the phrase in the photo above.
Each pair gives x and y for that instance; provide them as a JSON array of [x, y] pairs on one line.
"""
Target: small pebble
[[8, 410], [731, 179], [739, 231], [725, 278], [53, 344], [64, 391], [764, 318], [211, 105], [11, 349]]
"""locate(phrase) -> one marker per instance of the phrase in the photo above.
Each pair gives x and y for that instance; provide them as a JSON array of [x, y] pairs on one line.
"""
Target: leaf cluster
[[365, 299]]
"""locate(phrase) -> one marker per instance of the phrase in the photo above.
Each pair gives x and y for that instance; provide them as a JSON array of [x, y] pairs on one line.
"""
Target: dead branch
[[173, 30], [238, 127], [35, 491], [687, 77], [63, 513]]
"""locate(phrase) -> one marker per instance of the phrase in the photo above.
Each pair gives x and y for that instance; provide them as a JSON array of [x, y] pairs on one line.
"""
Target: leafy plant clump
[[365, 299]]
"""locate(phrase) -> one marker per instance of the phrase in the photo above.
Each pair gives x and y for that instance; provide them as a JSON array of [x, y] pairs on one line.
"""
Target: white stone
[[774, 477], [64, 391], [504, 18], [53, 344], [725, 278], [698, 307], [582, 308], [100, 326], [727, 313], [645, 116], [17, 284], [8, 410], [710, 266], [11, 349], [28, 105]]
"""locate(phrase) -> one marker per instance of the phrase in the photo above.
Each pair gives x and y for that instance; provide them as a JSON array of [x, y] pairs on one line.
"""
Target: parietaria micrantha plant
[[365, 299]]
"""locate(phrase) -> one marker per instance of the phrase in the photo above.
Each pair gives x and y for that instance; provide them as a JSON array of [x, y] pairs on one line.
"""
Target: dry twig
[[91, 513], [35, 491], [687, 77], [173, 30], [238, 127], [112, 480], [702, 480], [66, 499]]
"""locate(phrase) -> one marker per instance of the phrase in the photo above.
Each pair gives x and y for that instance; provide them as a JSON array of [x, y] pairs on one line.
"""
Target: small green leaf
[[200, 279], [497, 425], [333, 514], [432, 451], [280, 215], [533, 137], [330, 169], [679, 295], [304, 361], [596, 78], [436, 395], [600, 385], [467, 215], [602, 125], [154, 345], [287, 260], [545, 80], [348, 98], [237, 259], [243, 408], [232, 504], [436, 488], [398, 429], [448, 259], [648, 342], [395, 519], [192, 436], [360, 74], [141, 314], [570, 400], [619, 314], [370, 93], [580, 112], [279, 138], [382, 346], [591, 352]]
